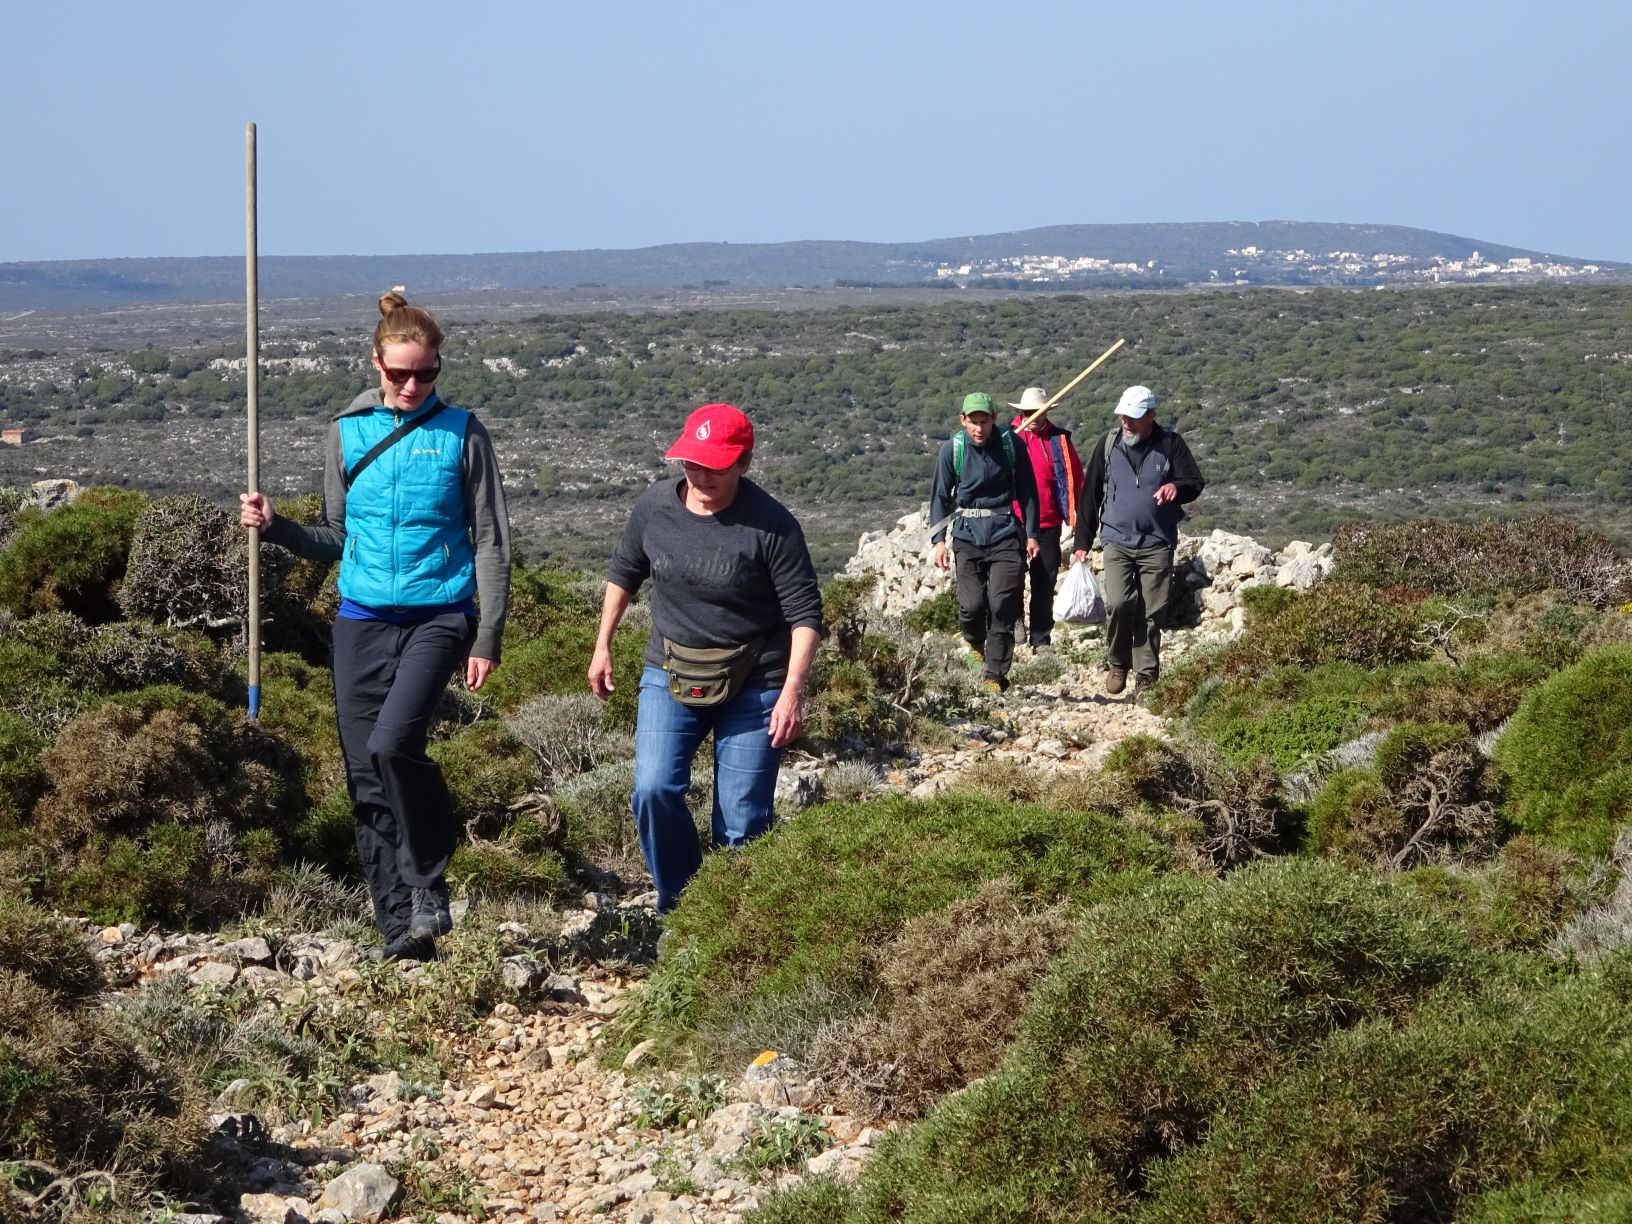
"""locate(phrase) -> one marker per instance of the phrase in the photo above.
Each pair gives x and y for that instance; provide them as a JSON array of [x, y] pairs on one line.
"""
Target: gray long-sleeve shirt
[[720, 580], [485, 511]]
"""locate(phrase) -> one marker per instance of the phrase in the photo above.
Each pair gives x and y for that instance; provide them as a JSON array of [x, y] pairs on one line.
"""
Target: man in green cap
[[979, 486]]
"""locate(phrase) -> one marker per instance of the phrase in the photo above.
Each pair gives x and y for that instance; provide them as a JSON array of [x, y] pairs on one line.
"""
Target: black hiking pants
[[1043, 571], [388, 680], [989, 582]]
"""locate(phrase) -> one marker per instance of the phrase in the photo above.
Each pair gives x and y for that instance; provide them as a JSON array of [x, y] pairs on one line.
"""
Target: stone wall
[[1218, 566]]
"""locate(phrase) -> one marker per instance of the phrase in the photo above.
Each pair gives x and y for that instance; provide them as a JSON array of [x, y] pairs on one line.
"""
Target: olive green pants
[[1137, 581]]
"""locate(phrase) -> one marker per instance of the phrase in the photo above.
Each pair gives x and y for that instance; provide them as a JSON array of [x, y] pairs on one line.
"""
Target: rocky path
[[528, 1125]]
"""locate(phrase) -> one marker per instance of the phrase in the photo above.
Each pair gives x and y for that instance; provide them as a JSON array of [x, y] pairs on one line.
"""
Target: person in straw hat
[[1057, 471]]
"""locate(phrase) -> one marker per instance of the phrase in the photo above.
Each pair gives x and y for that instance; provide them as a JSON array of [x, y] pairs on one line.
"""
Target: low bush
[[558, 663], [522, 861], [186, 566], [847, 612], [882, 691], [597, 825], [161, 805], [1543, 552], [71, 559], [937, 614], [1340, 623], [568, 735], [806, 901], [1168, 1010], [1264, 602], [1229, 813], [487, 770], [1568, 754], [20, 777], [78, 1099], [1427, 798], [954, 986], [1409, 1122]]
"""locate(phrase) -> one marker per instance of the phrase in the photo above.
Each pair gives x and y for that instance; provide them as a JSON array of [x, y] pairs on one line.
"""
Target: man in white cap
[[1057, 471], [1138, 479]]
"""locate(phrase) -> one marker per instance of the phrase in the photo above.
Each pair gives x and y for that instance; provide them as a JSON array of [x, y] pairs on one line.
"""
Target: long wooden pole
[[1061, 393], [252, 345]]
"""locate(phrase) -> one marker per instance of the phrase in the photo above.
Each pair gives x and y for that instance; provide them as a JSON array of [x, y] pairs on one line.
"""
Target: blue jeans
[[667, 736]]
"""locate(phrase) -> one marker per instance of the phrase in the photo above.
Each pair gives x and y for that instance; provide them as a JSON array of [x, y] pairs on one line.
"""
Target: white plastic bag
[[1078, 601]]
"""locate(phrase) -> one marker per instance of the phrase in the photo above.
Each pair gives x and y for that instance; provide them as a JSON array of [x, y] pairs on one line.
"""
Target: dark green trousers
[[1136, 586]]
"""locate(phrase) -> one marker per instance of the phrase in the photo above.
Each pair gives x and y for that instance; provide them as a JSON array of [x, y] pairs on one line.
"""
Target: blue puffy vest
[[407, 538]]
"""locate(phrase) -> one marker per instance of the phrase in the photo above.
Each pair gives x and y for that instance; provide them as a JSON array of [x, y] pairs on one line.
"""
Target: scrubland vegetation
[[1352, 946], [1305, 409]]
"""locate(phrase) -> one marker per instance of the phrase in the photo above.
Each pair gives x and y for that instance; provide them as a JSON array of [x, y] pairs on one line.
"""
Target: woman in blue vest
[[413, 509]]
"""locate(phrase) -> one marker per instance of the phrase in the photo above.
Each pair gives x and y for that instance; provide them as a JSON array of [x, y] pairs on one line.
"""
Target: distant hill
[[1056, 257]]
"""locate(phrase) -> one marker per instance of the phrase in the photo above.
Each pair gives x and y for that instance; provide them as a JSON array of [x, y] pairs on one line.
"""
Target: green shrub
[[44, 950], [559, 663], [846, 612], [1542, 552], [149, 799], [1524, 900], [1525, 1079], [544, 599], [1480, 694], [1341, 623], [522, 861], [20, 778], [487, 769], [954, 987], [1169, 1009], [297, 706], [76, 1094], [70, 559], [802, 903], [596, 824], [1288, 735], [1353, 817], [1227, 812], [1568, 754], [35, 687], [937, 614], [1426, 798], [1264, 602]]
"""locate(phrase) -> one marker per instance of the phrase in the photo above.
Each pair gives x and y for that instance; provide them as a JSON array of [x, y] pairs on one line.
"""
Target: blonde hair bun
[[391, 301]]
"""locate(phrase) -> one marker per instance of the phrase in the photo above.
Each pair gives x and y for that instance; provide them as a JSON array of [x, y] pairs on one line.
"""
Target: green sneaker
[[975, 656]]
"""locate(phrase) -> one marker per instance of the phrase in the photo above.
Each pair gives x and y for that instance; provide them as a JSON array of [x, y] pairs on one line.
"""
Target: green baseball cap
[[977, 401]]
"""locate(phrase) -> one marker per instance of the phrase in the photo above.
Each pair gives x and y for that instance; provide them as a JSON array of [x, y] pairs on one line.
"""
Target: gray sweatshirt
[[720, 580]]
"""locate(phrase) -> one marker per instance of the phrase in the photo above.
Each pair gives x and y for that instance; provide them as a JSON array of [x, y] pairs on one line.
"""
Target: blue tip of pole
[[254, 701]]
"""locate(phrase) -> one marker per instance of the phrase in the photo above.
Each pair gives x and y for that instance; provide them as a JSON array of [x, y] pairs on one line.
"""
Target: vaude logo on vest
[[704, 430]]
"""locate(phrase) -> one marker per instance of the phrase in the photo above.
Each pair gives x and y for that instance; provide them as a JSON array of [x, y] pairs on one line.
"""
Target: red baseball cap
[[716, 436]]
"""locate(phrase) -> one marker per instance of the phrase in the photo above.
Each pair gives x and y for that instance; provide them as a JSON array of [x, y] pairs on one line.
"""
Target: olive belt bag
[[708, 675]]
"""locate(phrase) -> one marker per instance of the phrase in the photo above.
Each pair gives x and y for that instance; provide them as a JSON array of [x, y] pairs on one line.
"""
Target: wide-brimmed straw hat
[[1031, 399]]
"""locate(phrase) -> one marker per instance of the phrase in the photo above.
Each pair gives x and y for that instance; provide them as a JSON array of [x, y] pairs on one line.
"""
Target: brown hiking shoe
[[1116, 679]]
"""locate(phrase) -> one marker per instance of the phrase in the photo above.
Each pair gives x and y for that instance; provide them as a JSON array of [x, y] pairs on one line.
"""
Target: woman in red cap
[[736, 619]]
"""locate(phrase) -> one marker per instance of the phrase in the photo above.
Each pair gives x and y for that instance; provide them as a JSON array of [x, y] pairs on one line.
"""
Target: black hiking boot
[[430, 917], [408, 947]]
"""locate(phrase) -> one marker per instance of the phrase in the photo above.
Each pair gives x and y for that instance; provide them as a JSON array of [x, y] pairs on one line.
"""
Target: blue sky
[[497, 126]]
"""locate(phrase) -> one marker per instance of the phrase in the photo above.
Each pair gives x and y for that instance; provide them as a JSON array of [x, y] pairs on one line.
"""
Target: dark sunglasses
[[397, 377]]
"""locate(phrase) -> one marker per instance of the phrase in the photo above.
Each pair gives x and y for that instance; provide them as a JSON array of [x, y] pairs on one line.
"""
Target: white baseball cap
[[1136, 402]]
